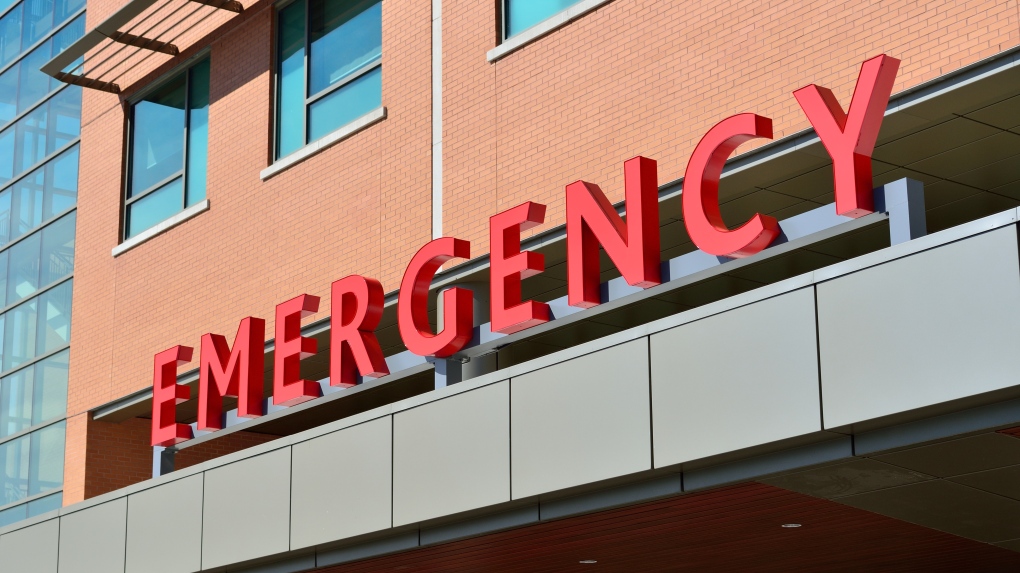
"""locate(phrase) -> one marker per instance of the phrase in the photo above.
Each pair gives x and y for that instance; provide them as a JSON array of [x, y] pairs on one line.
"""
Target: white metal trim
[[160, 228], [370, 118], [543, 28]]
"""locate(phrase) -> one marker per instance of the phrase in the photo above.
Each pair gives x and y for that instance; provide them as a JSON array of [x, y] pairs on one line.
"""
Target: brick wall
[[634, 77], [118, 455]]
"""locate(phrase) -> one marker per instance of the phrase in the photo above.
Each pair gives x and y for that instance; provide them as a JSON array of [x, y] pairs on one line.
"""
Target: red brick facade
[[634, 77]]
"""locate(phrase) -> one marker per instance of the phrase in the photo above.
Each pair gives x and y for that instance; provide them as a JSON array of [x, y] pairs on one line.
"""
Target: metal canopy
[[132, 34]]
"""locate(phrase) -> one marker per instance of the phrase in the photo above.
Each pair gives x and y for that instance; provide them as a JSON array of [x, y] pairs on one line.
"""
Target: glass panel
[[19, 334], [40, 133], [154, 207], [14, 474], [63, 39], [65, 118], [345, 35], [3, 278], [46, 461], [24, 84], [3, 319], [54, 328], [23, 276], [290, 101], [67, 7], [34, 85], [49, 391], [57, 259], [198, 132], [345, 104], [14, 514], [9, 94], [523, 14], [157, 150], [38, 20], [39, 196], [16, 402], [44, 504], [6, 155], [10, 35]]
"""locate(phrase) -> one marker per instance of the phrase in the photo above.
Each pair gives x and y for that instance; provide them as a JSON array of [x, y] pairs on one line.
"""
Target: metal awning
[[131, 35]]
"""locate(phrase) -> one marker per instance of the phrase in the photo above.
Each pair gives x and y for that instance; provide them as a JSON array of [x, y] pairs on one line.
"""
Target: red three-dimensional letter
[[356, 311], [236, 372], [508, 266], [166, 394], [288, 387], [701, 191], [632, 246], [413, 307], [850, 137]]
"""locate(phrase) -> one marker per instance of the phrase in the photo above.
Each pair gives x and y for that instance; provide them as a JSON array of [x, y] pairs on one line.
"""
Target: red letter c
[[701, 191]]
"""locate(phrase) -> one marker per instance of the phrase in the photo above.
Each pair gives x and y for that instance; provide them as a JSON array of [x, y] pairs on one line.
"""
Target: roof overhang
[[132, 34]]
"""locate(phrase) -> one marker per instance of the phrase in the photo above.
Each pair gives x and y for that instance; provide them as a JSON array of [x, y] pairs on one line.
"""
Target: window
[[22, 84], [34, 464], [338, 81], [169, 146], [34, 395], [519, 15], [36, 327], [38, 197], [31, 20], [40, 134]]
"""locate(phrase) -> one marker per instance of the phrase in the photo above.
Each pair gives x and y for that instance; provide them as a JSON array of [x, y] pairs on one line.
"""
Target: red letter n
[[850, 137], [357, 309], [236, 373], [632, 246]]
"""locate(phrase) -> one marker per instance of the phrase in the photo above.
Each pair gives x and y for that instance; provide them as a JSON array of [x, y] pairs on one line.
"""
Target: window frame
[[129, 141], [508, 44], [504, 22], [275, 155]]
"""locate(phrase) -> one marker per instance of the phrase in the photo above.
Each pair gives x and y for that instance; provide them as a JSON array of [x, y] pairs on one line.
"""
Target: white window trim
[[162, 227], [288, 161], [544, 27]]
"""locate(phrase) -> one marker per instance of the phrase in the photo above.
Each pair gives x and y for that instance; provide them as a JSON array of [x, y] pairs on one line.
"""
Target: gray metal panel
[[247, 509], [921, 330], [92, 540], [738, 379], [342, 484], [31, 549], [581, 421], [452, 455], [169, 515]]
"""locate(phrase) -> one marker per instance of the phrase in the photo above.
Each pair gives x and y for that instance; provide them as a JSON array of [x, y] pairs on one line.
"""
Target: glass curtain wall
[[40, 124]]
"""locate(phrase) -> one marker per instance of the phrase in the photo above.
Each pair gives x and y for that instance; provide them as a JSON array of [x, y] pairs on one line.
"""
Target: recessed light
[[791, 525], [588, 561]]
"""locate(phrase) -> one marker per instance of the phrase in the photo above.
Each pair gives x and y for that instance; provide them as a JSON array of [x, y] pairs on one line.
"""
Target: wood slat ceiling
[[737, 528]]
